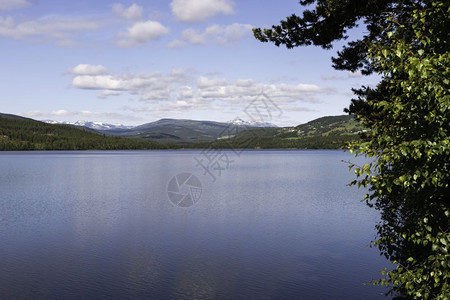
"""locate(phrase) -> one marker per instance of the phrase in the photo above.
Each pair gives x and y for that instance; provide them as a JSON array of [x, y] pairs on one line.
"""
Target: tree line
[[23, 134]]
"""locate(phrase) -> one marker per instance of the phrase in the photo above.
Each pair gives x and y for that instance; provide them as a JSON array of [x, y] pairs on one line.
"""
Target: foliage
[[408, 117], [18, 133], [330, 132], [26, 134]]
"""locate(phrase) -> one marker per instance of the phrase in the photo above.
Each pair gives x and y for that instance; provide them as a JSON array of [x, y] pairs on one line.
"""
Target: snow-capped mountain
[[241, 122], [92, 125], [108, 126]]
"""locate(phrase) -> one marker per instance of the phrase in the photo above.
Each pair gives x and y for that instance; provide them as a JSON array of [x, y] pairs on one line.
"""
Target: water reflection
[[277, 224]]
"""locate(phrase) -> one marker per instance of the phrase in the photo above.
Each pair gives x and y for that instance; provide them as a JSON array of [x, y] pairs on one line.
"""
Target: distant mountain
[[12, 117], [19, 133], [240, 122], [91, 125], [181, 131], [330, 132]]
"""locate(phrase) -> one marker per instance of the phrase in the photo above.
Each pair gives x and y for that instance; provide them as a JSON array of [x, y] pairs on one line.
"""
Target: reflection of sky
[[274, 223]]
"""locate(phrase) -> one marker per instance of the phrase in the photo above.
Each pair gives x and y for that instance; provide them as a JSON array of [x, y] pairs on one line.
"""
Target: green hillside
[[331, 125], [18, 133], [324, 133]]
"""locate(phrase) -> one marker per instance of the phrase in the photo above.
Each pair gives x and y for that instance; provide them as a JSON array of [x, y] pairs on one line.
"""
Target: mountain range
[[91, 125], [109, 126], [20, 133], [330, 132], [180, 131]]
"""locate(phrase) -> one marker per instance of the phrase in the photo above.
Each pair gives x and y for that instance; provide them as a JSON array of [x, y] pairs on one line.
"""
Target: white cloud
[[98, 82], [148, 86], [245, 82], [142, 32], [185, 92], [134, 12], [176, 44], [86, 69], [356, 74], [60, 112], [95, 116], [61, 30], [231, 33], [106, 93], [350, 75], [244, 89], [204, 82], [192, 36], [13, 4], [199, 10], [180, 91], [218, 34], [293, 107]]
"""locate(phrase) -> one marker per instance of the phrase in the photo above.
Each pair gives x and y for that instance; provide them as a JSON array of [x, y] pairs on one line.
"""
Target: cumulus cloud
[[105, 94], [86, 69], [219, 34], [148, 86], [349, 75], [205, 83], [61, 30], [185, 92], [245, 89], [133, 12], [98, 82], [199, 10], [13, 4], [192, 36], [62, 113], [142, 32], [179, 90]]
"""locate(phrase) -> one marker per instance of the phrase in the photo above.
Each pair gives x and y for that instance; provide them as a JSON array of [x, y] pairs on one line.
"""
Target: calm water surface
[[99, 225]]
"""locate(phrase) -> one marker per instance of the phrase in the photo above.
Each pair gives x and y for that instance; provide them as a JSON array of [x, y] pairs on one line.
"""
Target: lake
[[121, 224]]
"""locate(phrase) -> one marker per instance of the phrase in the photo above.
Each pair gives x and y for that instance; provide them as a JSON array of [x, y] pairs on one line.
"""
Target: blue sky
[[133, 62]]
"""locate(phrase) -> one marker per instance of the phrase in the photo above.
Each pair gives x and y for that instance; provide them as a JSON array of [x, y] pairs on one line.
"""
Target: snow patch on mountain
[[92, 125], [109, 126], [241, 122]]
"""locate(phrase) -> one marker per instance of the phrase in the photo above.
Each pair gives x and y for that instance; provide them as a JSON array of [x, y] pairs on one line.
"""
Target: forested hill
[[331, 132], [19, 133]]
